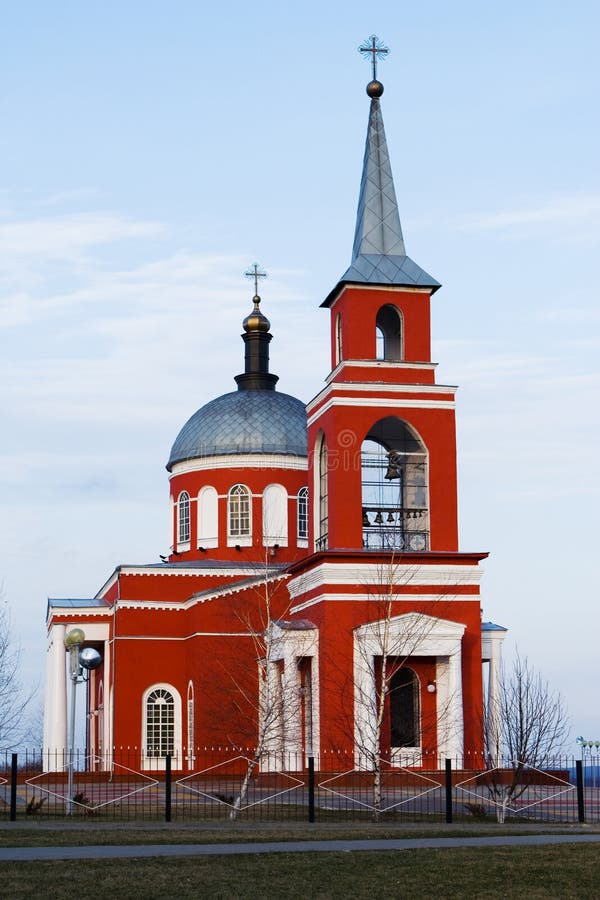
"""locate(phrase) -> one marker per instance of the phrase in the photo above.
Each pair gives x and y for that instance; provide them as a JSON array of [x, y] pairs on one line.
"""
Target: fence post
[[580, 797], [311, 789], [449, 791], [168, 787], [13, 788]]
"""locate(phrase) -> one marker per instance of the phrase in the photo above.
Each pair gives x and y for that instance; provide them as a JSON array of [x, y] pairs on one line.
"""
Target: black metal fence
[[228, 784]]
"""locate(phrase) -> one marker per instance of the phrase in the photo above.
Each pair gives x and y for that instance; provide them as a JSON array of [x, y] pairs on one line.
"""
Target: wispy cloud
[[567, 211], [67, 236]]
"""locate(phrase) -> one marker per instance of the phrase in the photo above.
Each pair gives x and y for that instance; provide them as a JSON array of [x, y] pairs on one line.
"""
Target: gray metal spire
[[378, 253]]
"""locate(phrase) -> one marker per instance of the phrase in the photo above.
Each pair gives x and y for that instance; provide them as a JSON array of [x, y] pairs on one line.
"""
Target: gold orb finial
[[256, 321], [374, 89]]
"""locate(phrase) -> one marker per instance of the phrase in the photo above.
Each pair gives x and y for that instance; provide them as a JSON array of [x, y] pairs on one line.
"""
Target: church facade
[[315, 598]]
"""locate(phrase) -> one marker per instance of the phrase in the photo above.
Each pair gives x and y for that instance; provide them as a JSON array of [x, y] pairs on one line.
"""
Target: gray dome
[[247, 421]]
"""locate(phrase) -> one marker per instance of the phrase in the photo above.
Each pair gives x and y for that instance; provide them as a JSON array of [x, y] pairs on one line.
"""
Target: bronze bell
[[394, 469], [366, 522], [379, 518], [390, 517]]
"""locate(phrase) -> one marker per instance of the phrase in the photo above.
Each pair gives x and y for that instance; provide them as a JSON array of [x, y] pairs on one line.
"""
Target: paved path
[[145, 850]]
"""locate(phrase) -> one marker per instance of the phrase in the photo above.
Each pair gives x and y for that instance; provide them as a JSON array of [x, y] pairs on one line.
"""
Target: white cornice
[[258, 461], [381, 402], [379, 364], [380, 387], [234, 587], [87, 612], [371, 575], [166, 570]]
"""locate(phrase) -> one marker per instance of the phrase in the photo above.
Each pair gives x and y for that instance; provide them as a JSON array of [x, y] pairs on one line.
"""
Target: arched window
[[303, 514], [275, 515], [338, 340], [394, 488], [379, 344], [239, 525], [389, 333], [208, 518], [183, 518], [323, 498], [404, 709], [161, 726], [160, 723]]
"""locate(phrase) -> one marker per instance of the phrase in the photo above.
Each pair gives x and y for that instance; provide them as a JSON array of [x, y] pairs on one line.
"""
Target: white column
[[493, 724], [55, 708]]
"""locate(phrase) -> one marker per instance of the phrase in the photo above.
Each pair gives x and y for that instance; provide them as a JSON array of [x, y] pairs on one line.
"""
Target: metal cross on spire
[[255, 272], [376, 48]]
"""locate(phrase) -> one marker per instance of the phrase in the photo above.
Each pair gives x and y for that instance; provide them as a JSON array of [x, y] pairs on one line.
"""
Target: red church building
[[315, 598]]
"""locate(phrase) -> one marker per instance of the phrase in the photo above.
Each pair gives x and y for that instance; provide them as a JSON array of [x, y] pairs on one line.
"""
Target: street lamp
[[81, 662], [587, 745]]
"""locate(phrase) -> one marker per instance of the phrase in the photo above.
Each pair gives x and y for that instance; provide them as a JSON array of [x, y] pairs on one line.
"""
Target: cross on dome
[[376, 48], [255, 272]]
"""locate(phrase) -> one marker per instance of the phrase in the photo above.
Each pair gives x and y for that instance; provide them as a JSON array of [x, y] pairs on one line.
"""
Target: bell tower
[[382, 433]]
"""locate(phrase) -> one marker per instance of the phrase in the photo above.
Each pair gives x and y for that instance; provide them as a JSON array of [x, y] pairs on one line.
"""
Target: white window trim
[[241, 540], [158, 763], [183, 543]]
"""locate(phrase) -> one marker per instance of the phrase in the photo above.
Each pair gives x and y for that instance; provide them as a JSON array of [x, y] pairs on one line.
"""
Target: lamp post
[[587, 745], [81, 662]]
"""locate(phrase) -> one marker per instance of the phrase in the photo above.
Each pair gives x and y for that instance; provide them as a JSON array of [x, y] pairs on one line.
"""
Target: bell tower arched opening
[[395, 514], [388, 326]]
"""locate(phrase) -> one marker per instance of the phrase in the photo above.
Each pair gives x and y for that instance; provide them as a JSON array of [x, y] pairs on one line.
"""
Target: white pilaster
[[451, 721]]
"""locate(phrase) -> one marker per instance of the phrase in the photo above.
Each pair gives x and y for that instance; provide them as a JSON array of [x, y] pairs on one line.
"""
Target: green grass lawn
[[45, 833], [565, 871]]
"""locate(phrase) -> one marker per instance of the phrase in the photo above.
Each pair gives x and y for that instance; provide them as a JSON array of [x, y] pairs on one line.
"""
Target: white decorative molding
[[380, 388], [172, 570], [181, 605], [249, 461], [381, 402], [87, 612], [371, 575], [378, 364]]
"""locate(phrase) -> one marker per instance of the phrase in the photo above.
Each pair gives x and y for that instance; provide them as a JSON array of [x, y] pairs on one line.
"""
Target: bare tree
[[267, 688], [529, 725], [14, 699]]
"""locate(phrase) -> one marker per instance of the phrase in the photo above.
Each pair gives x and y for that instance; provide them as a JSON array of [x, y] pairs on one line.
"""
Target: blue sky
[[151, 151]]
